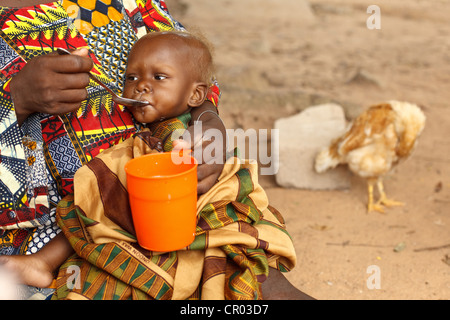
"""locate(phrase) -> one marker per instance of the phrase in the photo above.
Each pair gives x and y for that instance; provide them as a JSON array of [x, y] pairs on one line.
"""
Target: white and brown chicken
[[376, 141]]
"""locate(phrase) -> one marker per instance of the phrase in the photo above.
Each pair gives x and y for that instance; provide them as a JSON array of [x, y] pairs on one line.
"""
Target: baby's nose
[[144, 87]]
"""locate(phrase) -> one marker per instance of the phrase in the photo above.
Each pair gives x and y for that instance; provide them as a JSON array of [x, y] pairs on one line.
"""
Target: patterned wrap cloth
[[39, 158], [238, 236]]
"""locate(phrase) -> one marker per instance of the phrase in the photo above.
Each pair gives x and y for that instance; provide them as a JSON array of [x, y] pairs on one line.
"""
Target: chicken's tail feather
[[325, 160]]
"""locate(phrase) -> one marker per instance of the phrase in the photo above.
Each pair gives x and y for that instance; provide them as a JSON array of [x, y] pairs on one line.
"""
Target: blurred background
[[275, 58]]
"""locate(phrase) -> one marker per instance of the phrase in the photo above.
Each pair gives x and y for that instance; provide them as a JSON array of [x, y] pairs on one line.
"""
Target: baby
[[170, 70]]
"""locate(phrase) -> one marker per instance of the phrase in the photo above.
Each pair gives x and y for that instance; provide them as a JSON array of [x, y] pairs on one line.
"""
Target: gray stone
[[301, 137]]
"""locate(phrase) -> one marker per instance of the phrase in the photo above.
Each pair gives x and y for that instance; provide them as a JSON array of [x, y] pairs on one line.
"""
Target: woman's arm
[[213, 142], [206, 137]]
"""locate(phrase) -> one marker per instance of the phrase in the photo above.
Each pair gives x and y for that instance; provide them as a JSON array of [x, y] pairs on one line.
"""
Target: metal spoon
[[120, 100]]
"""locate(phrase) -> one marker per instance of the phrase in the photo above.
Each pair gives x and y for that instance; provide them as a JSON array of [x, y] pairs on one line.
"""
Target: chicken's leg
[[383, 199], [372, 206]]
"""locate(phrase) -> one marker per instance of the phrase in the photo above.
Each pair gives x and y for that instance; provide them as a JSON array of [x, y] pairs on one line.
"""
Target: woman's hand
[[51, 84], [207, 139]]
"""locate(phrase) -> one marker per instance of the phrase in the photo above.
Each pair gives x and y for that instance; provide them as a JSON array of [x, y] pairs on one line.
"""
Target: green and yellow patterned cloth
[[238, 237]]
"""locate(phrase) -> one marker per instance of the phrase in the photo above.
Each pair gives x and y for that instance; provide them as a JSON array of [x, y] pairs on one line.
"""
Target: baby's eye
[[160, 77], [131, 78]]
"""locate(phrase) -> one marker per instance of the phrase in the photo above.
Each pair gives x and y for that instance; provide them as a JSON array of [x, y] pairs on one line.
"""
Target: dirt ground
[[274, 58]]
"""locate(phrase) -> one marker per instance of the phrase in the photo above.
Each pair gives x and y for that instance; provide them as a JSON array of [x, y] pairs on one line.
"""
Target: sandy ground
[[274, 58]]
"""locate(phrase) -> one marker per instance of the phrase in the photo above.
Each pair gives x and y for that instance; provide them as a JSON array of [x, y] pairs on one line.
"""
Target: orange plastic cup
[[162, 189]]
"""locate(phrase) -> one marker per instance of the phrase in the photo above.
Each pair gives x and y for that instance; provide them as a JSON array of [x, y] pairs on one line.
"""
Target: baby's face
[[158, 72]]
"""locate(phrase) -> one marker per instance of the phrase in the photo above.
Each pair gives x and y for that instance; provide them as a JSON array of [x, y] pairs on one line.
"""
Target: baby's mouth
[[142, 109], [139, 98]]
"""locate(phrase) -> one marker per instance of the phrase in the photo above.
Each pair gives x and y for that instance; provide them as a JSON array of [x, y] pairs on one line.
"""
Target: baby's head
[[170, 70]]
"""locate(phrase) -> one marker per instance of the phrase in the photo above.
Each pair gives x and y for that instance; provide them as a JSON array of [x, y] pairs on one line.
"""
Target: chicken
[[377, 140]]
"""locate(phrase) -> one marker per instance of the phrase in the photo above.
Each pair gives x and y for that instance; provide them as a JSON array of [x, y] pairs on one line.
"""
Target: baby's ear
[[198, 94]]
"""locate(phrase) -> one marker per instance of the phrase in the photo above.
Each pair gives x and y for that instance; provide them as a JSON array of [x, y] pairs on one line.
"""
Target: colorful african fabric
[[238, 237], [39, 158]]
